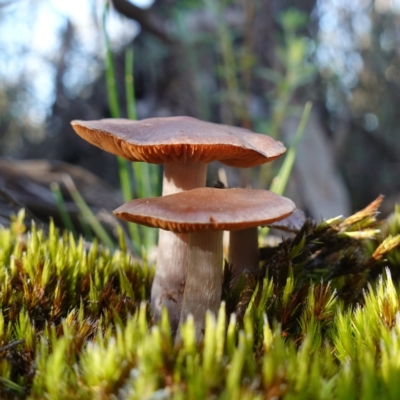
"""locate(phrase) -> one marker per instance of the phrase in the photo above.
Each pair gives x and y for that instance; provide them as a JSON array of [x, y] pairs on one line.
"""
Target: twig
[[146, 18], [11, 345]]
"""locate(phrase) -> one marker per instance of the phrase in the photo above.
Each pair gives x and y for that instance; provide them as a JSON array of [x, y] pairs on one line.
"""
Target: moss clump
[[52, 286], [322, 321]]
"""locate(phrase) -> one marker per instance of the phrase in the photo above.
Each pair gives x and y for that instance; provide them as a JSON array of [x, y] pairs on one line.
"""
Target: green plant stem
[[141, 171], [115, 110], [112, 95], [130, 84], [280, 181], [62, 209], [85, 210]]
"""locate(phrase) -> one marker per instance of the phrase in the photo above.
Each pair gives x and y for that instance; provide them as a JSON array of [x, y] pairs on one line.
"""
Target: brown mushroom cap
[[166, 140], [208, 209]]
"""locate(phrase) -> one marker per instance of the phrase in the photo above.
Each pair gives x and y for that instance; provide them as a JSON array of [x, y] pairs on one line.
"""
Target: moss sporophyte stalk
[[321, 322]]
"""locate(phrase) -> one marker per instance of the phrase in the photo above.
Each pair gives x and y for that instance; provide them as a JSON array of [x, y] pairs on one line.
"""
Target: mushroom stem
[[172, 258], [181, 176], [204, 278], [170, 275], [243, 253]]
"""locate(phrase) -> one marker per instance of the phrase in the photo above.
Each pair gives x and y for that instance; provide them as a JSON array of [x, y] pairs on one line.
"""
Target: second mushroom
[[204, 213]]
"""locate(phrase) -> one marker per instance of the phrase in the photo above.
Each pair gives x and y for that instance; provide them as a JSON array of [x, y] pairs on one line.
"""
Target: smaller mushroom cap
[[175, 139], [208, 209]]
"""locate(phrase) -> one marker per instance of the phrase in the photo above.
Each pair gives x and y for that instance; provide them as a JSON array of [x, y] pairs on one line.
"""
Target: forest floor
[[321, 322]]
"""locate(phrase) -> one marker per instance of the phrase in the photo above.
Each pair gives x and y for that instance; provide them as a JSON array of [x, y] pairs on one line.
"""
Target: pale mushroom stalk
[[244, 254], [184, 175], [172, 257], [204, 278]]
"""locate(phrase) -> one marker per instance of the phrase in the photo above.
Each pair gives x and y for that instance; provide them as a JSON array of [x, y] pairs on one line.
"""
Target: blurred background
[[250, 63]]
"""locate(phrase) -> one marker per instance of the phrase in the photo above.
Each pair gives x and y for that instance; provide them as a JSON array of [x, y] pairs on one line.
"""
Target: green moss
[[322, 322]]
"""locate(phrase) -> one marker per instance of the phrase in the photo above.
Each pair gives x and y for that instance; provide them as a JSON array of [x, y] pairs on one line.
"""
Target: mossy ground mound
[[322, 322]]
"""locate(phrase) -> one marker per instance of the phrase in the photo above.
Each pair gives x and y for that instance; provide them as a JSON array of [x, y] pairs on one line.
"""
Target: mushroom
[[204, 213], [244, 255], [184, 145]]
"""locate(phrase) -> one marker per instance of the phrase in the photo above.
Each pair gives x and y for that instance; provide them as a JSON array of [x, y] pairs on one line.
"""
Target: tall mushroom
[[184, 145], [205, 213]]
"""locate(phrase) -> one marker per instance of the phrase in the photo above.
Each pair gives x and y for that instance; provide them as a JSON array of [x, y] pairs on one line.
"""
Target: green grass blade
[[142, 171], [115, 110], [11, 385], [130, 84], [112, 93], [87, 213], [280, 181], [62, 209]]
